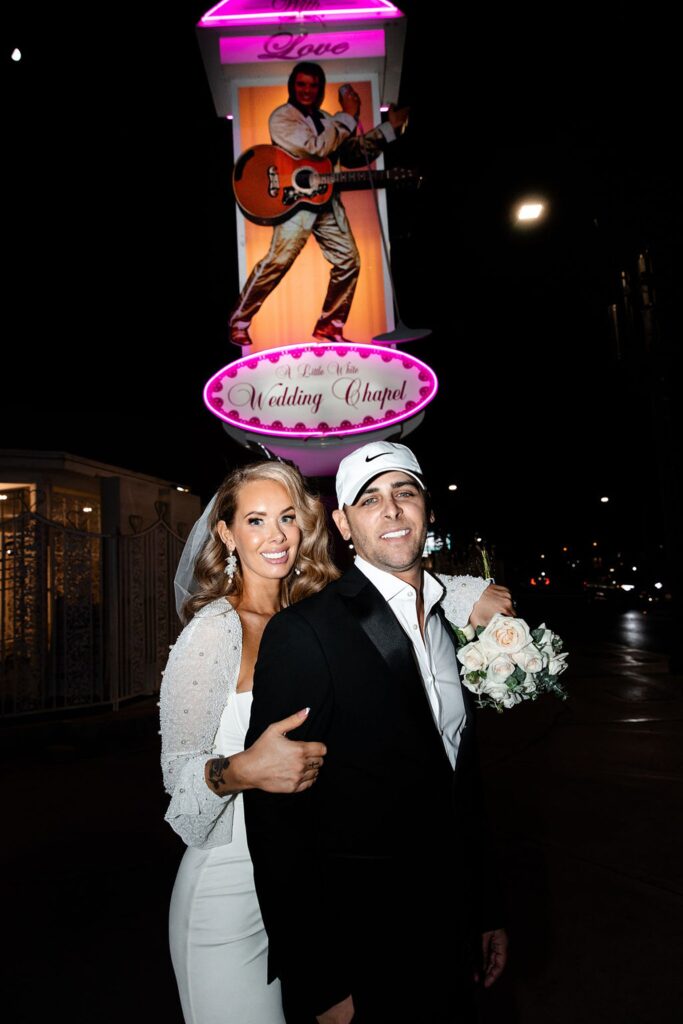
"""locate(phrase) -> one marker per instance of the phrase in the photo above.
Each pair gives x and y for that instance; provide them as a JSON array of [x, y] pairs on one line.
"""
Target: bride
[[262, 544]]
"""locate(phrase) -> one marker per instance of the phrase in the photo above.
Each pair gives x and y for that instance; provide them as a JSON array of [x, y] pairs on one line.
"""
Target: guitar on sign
[[270, 185]]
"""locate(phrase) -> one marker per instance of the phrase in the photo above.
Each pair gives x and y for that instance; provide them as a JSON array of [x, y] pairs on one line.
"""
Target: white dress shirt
[[434, 653]]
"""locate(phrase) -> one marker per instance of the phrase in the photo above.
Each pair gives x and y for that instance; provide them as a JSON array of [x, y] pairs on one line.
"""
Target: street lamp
[[529, 212]]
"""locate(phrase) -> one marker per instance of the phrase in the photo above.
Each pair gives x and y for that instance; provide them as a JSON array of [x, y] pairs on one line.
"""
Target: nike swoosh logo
[[369, 458]]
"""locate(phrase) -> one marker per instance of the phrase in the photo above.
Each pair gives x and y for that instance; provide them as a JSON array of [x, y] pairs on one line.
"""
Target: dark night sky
[[119, 231]]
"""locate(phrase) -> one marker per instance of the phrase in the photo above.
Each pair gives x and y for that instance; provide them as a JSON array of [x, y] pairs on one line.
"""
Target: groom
[[376, 886]]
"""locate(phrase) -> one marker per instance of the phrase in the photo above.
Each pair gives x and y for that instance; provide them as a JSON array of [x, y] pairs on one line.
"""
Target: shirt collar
[[388, 585], [391, 586], [316, 115]]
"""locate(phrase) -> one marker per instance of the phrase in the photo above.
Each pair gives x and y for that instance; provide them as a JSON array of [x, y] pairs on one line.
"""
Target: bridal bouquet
[[506, 662]]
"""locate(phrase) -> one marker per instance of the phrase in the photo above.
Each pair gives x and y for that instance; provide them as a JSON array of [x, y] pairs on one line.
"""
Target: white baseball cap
[[361, 466]]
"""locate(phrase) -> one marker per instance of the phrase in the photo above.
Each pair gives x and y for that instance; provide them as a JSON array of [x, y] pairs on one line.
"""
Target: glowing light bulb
[[530, 211]]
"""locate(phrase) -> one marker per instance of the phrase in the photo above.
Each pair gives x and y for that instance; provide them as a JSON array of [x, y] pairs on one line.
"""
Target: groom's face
[[387, 523]]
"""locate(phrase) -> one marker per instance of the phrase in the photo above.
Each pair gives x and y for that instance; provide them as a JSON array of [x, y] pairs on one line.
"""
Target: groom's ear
[[342, 523]]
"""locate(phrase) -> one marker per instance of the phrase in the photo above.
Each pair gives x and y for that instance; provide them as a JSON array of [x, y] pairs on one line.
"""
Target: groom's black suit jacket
[[386, 794]]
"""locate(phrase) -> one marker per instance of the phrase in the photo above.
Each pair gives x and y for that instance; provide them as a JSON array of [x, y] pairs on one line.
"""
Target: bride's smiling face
[[264, 532]]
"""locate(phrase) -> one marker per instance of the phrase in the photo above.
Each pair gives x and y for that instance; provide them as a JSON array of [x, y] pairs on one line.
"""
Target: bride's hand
[[279, 765], [494, 599]]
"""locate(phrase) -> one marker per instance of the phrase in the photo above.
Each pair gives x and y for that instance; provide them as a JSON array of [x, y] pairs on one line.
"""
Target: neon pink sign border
[[273, 355], [383, 9]]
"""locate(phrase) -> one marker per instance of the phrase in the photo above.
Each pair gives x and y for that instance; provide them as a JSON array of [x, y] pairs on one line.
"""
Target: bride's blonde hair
[[315, 565]]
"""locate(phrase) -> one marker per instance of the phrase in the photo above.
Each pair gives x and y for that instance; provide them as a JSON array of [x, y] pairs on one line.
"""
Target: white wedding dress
[[219, 946]]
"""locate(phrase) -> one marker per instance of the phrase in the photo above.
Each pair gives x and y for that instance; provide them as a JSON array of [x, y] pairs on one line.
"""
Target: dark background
[[120, 271], [119, 235]]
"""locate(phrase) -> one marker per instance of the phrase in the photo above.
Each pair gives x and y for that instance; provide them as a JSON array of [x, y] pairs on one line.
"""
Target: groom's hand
[[494, 954], [494, 599], [340, 1013]]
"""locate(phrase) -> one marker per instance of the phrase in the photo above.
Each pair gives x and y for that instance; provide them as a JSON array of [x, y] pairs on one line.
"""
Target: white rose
[[529, 685], [511, 699], [469, 632], [547, 637], [530, 658], [496, 691], [557, 665], [501, 668], [472, 657], [505, 635], [499, 693]]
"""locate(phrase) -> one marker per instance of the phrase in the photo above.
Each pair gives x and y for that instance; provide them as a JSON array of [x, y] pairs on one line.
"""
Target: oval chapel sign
[[320, 390]]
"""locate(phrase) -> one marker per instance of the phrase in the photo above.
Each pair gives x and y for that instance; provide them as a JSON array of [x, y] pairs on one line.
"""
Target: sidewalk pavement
[[585, 802]]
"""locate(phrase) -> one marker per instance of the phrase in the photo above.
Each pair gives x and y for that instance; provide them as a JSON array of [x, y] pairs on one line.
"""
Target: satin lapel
[[381, 627], [379, 624]]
